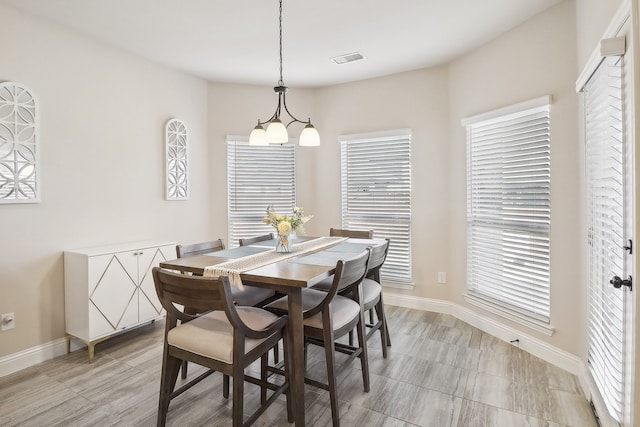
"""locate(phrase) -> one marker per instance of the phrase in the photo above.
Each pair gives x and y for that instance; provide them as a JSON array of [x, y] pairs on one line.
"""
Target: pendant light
[[276, 132]]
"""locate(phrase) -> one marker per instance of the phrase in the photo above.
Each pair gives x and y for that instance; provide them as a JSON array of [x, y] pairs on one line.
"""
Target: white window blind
[[376, 194], [605, 187], [508, 208], [258, 176]]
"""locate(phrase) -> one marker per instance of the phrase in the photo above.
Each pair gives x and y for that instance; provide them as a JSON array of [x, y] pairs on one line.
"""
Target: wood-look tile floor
[[440, 372]]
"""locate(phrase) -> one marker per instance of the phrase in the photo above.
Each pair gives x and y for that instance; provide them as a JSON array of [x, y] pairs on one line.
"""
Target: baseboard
[[32, 356], [528, 343], [567, 361]]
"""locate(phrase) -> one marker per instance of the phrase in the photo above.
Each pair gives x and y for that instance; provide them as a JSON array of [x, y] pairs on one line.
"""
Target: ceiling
[[237, 40]]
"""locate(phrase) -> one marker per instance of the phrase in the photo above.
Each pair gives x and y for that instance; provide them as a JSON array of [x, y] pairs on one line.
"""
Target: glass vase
[[283, 244]]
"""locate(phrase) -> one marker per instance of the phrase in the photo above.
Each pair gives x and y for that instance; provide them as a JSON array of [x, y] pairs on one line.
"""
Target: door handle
[[617, 282]]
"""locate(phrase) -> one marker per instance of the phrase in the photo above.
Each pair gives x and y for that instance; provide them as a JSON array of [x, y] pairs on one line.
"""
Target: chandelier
[[276, 131]]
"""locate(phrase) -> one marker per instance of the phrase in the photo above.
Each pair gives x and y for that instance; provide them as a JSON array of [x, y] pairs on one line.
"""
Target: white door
[[609, 175]]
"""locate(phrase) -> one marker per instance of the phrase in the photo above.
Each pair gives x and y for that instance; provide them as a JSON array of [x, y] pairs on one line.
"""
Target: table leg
[[296, 329]]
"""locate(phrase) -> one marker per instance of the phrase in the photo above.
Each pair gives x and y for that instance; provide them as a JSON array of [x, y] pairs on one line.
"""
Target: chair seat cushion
[[371, 290], [211, 335], [343, 309], [251, 295]]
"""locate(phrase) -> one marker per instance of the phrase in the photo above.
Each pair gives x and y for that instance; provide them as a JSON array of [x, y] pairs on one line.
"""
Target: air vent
[[349, 57]]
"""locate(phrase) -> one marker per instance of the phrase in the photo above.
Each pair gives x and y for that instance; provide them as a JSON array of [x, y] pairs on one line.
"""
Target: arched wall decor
[[19, 145], [177, 170]]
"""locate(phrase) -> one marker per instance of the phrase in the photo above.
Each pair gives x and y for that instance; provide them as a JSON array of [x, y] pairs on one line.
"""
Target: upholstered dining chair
[[356, 234], [226, 338], [371, 296], [248, 296], [328, 316]]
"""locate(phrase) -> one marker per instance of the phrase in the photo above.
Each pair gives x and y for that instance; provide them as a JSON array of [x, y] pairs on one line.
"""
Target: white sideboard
[[109, 289]]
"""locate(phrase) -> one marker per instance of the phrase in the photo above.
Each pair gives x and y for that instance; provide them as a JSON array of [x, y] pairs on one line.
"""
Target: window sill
[[507, 313]]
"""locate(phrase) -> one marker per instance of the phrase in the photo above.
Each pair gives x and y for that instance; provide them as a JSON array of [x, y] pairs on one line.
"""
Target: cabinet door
[[148, 304], [113, 293]]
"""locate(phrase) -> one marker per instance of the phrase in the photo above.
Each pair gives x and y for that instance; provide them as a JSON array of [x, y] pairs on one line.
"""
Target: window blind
[[605, 189], [508, 209], [376, 194], [258, 176]]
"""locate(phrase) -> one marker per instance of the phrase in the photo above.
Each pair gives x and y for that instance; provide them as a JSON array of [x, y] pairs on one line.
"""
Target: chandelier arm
[[295, 119]]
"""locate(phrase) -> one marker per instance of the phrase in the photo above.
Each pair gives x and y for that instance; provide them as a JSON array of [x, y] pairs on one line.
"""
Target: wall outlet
[[7, 321], [442, 277]]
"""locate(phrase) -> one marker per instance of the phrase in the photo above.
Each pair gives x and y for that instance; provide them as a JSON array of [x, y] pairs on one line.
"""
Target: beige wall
[[535, 59], [102, 122], [592, 18], [416, 100], [103, 114]]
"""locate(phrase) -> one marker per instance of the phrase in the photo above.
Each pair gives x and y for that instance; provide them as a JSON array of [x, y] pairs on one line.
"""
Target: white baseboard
[[528, 343], [32, 356], [17, 361]]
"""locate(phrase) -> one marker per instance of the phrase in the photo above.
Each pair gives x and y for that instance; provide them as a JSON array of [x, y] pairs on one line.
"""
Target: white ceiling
[[237, 40]]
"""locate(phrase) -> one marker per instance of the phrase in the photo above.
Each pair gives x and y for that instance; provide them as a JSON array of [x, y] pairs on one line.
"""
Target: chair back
[[348, 275], [199, 248], [356, 234], [252, 240], [199, 294], [377, 259]]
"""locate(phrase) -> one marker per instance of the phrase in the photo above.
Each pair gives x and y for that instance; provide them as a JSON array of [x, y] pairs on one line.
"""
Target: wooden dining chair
[[372, 295], [251, 240], [356, 234], [247, 296], [328, 316], [227, 339]]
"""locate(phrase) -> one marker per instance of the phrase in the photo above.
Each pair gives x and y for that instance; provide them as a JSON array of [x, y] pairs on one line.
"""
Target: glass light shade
[[258, 136], [277, 132], [309, 137]]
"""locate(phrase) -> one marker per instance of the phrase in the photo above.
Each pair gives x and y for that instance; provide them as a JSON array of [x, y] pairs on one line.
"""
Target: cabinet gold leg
[[90, 345]]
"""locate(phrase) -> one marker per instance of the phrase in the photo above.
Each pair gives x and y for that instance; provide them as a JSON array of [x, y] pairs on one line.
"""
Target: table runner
[[235, 267]]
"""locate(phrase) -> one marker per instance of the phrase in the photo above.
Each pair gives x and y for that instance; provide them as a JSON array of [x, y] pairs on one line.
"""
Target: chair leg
[[351, 338], [184, 370], [170, 368], [264, 361], [383, 328], [238, 395], [329, 352], [384, 320], [364, 360], [225, 386]]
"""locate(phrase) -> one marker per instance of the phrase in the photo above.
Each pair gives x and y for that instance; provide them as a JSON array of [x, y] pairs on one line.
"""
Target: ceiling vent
[[349, 57]]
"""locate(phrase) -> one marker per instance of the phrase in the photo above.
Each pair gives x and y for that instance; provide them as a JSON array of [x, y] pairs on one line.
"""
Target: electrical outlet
[[442, 277], [7, 321]]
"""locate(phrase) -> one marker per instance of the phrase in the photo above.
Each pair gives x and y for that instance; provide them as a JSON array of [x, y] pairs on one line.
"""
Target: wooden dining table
[[288, 277]]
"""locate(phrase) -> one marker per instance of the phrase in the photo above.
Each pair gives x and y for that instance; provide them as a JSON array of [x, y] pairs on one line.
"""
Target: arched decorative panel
[[19, 145], [177, 170]]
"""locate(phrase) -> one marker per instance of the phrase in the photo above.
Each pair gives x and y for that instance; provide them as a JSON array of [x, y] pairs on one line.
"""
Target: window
[[508, 209], [258, 176], [376, 195]]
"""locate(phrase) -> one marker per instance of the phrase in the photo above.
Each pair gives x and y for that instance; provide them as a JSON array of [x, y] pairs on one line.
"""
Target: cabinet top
[[120, 247]]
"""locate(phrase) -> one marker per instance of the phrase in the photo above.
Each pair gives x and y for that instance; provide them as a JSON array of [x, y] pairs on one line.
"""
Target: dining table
[[300, 269]]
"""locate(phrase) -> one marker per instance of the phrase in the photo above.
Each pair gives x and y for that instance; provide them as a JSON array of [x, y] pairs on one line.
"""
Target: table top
[[298, 271]]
